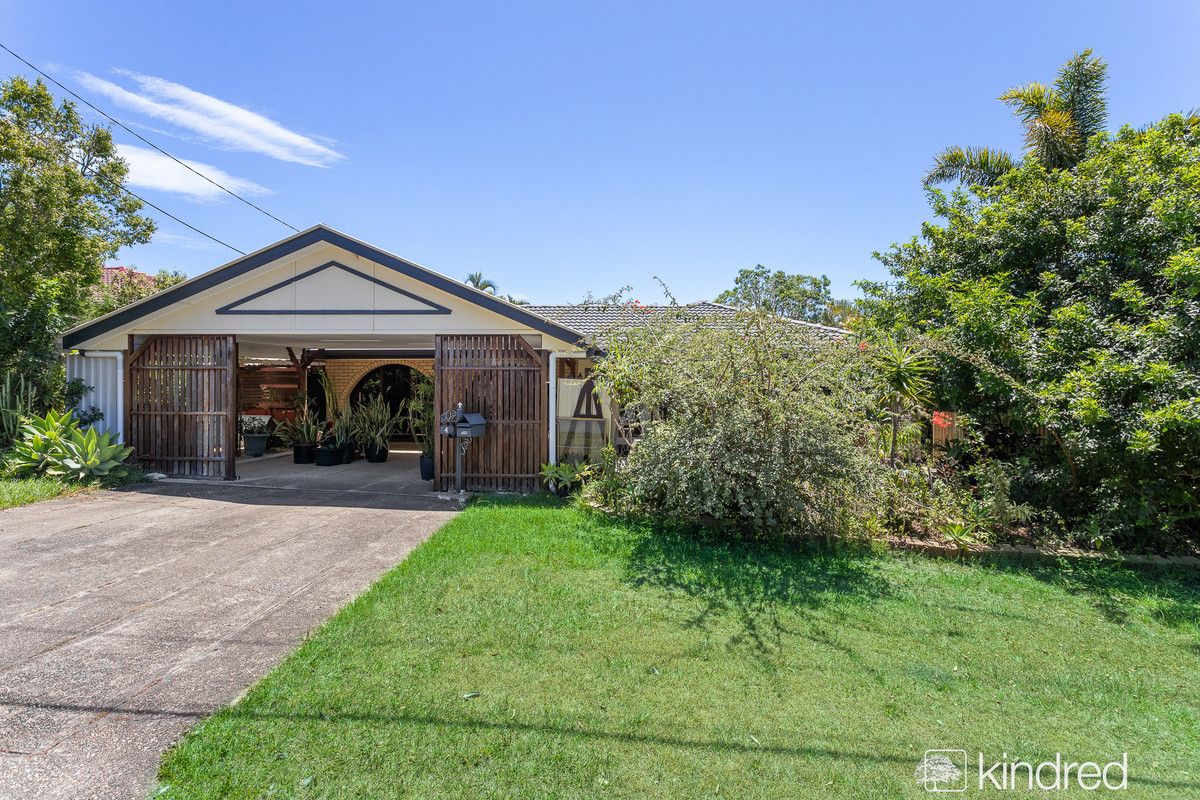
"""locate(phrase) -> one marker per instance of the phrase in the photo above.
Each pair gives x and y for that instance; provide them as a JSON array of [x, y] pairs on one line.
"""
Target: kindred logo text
[[946, 771]]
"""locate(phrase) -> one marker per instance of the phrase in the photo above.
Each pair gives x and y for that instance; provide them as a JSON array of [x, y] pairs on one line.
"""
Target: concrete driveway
[[126, 617]]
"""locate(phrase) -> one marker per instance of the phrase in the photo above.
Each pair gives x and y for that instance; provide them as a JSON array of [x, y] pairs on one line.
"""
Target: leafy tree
[[481, 283], [129, 287], [1064, 305], [804, 297], [842, 313], [1059, 120], [62, 213]]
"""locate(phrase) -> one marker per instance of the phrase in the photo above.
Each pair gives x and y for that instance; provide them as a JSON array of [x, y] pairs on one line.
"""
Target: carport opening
[[395, 383]]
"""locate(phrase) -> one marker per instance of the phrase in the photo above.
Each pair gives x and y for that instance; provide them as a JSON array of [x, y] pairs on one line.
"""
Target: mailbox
[[464, 427], [472, 425], [460, 424]]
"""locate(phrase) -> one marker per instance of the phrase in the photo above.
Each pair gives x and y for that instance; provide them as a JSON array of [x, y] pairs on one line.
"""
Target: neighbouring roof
[[594, 319], [110, 274]]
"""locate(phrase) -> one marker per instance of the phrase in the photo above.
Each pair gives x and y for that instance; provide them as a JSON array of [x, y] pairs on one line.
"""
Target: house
[[173, 372]]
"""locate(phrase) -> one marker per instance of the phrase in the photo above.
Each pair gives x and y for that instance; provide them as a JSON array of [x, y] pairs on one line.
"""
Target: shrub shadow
[[753, 581]]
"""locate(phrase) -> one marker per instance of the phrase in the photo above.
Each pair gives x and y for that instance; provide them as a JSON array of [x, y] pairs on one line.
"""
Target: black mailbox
[[472, 425], [459, 423]]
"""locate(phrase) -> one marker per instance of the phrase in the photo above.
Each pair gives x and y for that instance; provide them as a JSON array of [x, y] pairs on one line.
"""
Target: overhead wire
[[146, 141]]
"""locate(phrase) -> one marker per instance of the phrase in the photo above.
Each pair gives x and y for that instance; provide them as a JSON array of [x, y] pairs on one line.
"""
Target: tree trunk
[[895, 431]]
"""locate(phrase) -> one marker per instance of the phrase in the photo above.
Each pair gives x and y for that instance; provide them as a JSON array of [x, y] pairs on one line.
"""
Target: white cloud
[[221, 123], [150, 169], [184, 242]]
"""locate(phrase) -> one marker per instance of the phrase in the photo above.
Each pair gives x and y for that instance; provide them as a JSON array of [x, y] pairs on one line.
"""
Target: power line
[[134, 194], [132, 132]]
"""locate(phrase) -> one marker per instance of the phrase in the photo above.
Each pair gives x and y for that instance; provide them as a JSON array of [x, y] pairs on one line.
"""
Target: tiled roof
[[110, 274], [591, 320]]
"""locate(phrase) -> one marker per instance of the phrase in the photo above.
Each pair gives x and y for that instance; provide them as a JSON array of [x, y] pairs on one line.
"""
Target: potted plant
[[343, 435], [423, 424], [301, 433], [374, 425], [255, 433], [328, 452]]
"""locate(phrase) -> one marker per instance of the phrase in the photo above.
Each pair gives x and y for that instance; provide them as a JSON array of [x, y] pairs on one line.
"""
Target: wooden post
[[231, 435]]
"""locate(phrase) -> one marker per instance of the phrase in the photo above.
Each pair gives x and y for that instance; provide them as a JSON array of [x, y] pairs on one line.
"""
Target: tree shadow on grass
[[1122, 593], [755, 582]]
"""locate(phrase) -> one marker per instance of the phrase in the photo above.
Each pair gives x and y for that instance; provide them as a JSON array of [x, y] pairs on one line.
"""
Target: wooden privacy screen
[[182, 400], [504, 378]]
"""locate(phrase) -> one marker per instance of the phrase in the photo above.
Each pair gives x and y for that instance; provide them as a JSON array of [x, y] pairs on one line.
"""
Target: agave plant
[[54, 445], [343, 427], [374, 422], [304, 429]]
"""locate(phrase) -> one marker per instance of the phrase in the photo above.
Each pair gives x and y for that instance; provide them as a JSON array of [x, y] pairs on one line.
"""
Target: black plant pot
[[376, 455], [304, 453], [347, 452], [255, 444], [328, 456], [426, 468]]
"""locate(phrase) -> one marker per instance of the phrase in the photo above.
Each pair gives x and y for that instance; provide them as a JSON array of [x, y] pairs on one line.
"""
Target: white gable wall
[[329, 290]]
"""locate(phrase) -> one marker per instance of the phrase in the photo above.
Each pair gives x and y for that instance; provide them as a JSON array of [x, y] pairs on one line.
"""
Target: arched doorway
[[393, 381]]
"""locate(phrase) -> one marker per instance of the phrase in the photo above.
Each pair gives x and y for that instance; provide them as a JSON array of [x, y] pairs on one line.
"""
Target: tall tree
[[62, 213], [1059, 119], [804, 297], [129, 287]]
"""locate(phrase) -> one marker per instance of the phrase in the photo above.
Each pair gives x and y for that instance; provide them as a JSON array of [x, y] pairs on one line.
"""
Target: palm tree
[[516, 301], [481, 283], [902, 372], [1058, 122]]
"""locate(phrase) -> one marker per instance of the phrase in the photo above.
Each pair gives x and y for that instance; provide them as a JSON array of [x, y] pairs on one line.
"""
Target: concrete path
[[126, 617]]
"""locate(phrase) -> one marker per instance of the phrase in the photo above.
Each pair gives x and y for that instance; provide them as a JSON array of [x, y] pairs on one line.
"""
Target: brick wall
[[347, 372]]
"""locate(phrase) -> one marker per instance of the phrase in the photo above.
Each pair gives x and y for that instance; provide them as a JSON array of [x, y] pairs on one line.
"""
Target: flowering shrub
[[756, 423]]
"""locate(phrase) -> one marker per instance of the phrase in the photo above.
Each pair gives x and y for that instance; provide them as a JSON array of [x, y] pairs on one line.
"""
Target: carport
[[176, 368]]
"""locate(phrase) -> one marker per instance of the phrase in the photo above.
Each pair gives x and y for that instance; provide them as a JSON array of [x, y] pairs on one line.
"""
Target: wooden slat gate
[[504, 378], [181, 395]]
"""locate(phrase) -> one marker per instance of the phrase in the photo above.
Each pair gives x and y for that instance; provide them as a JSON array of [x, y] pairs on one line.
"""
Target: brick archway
[[346, 373]]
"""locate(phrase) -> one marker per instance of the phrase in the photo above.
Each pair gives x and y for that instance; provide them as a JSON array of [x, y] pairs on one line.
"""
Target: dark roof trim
[[332, 355], [290, 245], [232, 308]]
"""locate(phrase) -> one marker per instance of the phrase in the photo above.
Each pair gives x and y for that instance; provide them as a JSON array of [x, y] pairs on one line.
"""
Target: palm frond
[[1081, 84], [1054, 139], [1029, 101], [481, 283], [973, 166]]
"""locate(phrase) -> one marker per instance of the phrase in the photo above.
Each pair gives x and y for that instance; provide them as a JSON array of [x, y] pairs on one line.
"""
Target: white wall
[[104, 371]]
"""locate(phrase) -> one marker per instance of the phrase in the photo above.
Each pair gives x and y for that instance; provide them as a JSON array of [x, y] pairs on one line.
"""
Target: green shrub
[[17, 397], [55, 446], [758, 424]]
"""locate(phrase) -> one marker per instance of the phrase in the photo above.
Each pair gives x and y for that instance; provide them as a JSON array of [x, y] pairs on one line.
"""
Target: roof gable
[[319, 291], [320, 234]]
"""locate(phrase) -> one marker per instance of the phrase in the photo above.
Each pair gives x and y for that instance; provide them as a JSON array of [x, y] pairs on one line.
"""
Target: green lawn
[[531, 650], [23, 491]]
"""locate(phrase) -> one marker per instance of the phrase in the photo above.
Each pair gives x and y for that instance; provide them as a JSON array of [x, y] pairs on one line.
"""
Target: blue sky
[[562, 148]]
